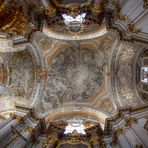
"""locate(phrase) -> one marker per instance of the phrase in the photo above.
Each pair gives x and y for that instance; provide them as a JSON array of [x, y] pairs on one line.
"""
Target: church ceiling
[[72, 78], [73, 62], [22, 18], [78, 73], [75, 71]]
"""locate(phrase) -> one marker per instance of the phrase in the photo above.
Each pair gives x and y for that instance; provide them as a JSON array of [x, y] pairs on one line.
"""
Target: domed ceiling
[[75, 74], [64, 79], [71, 63]]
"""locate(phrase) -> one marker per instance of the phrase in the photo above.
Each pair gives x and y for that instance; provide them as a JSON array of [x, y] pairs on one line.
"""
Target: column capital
[[118, 132], [95, 140], [20, 119], [130, 121], [31, 130]]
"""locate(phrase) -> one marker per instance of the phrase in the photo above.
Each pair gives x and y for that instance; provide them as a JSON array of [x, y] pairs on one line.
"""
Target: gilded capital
[[130, 121]]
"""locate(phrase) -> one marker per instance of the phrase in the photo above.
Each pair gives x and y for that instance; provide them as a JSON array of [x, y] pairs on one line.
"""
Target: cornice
[[31, 115], [94, 135], [121, 112], [122, 34]]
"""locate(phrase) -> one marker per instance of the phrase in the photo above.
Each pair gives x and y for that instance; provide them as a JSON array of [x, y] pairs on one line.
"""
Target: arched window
[[144, 74]]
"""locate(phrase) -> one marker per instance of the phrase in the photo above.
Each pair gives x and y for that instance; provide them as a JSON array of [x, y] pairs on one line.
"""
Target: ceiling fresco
[[75, 74], [70, 58], [125, 76], [17, 75], [21, 74], [72, 69], [72, 76]]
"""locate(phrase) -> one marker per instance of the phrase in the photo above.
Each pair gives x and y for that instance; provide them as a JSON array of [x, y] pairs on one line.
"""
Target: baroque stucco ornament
[[75, 74]]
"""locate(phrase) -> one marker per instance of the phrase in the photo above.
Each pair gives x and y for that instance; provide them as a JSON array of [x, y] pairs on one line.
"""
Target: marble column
[[7, 129], [130, 135], [5, 122], [140, 133], [6, 132], [108, 142], [21, 142], [123, 142]]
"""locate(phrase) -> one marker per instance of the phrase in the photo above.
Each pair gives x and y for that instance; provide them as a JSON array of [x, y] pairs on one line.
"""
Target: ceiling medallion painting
[[75, 74]]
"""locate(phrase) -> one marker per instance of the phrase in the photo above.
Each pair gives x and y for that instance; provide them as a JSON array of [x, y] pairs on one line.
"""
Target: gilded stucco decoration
[[64, 70], [65, 73], [43, 42], [107, 106], [71, 72], [13, 19], [72, 17]]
